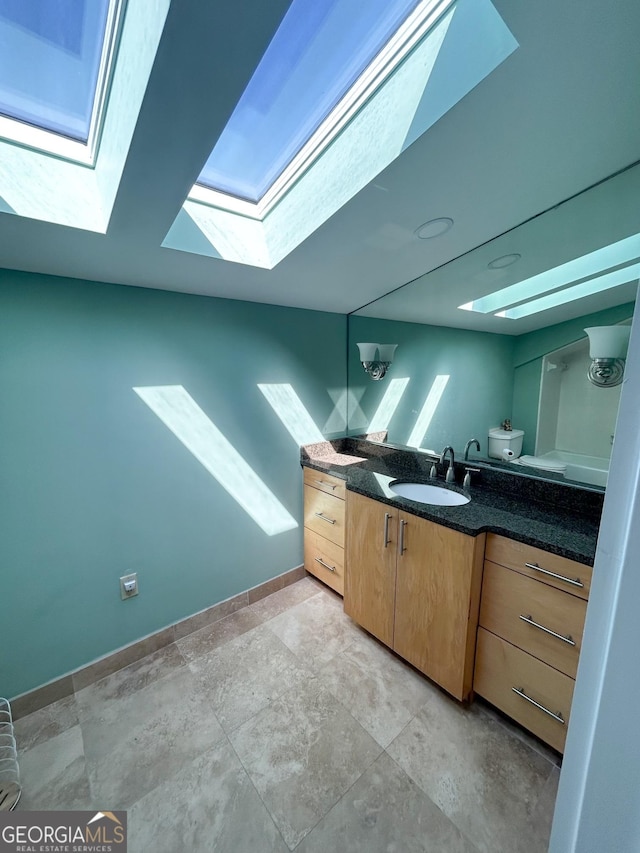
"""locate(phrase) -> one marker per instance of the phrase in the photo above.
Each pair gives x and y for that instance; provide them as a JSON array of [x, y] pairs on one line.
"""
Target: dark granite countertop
[[559, 518]]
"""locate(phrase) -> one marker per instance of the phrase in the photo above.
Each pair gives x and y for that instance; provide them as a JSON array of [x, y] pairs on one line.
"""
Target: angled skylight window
[[319, 51], [360, 83], [55, 57]]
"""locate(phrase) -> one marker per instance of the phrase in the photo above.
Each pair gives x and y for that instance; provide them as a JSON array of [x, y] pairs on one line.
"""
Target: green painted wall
[[478, 394], [94, 485], [529, 351]]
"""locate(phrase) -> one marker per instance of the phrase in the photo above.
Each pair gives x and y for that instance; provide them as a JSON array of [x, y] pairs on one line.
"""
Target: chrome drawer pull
[[401, 548], [537, 568], [387, 516], [326, 565], [325, 483], [523, 695], [326, 518], [530, 621]]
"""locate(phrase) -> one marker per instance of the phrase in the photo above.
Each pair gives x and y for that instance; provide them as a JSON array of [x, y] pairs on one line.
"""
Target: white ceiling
[[558, 116]]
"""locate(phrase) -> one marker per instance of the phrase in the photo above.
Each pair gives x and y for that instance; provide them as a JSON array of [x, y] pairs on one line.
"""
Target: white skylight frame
[[399, 46], [38, 139]]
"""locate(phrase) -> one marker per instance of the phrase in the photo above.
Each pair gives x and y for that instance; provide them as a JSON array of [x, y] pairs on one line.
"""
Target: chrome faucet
[[468, 446], [451, 477]]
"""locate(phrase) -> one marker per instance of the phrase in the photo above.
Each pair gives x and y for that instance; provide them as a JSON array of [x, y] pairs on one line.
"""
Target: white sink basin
[[425, 493]]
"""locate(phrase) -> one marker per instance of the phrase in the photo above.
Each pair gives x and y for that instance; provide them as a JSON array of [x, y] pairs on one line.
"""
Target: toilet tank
[[502, 439]]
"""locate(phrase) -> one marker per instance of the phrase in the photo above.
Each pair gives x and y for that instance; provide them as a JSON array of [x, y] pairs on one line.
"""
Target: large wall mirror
[[498, 333]]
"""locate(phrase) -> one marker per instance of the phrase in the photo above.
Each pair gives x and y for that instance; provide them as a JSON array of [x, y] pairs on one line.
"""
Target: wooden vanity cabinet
[[324, 527], [532, 616], [415, 585]]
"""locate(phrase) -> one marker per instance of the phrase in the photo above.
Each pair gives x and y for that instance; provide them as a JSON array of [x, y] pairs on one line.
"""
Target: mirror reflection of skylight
[[52, 61], [570, 294], [317, 53], [586, 266]]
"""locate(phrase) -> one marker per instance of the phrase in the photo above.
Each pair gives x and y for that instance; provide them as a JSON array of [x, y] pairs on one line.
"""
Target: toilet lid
[[545, 464]]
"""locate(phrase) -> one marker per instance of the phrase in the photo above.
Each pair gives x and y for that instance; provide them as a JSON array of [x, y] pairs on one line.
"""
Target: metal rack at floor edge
[[10, 789]]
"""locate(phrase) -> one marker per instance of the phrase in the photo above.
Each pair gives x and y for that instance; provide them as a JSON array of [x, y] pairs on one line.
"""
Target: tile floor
[[285, 726]]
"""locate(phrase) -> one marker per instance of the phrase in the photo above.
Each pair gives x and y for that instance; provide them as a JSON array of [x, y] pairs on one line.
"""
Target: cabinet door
[[369, 588], [437, 602]]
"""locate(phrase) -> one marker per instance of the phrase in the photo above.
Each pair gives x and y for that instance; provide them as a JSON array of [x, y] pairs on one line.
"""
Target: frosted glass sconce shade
[[607, 349], [376, 358]]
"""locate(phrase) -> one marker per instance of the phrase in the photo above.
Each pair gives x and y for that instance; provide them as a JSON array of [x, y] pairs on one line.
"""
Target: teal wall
[[477, 396], [529, 351], [95, 486]]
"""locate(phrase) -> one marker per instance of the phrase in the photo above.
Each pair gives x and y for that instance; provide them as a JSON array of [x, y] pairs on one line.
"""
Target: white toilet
[[505, 444]]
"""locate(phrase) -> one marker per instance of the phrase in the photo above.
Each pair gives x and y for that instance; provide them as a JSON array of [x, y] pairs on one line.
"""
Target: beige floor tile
[[485, 780], [53, 774], [385, 811], [376, 687], [315, 630], [282, 600], [46, 723], [208, 639], [246, 674], [135, 742], [138, 675], [302, 753], [210, 805]]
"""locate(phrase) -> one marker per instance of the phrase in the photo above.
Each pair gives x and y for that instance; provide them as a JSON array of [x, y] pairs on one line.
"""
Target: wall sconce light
[[376, 358], [608, 350]]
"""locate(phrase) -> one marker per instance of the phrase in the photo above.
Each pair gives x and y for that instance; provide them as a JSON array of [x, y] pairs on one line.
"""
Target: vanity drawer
[[325, 482], [325, 560], [324, 514], [507, 596], [501, 667], [551, 569]]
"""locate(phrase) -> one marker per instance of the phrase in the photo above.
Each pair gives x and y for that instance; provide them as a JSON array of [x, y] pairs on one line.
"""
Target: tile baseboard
[[59, 688]]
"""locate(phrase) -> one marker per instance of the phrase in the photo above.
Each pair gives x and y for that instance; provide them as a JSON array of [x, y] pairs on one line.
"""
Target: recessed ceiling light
[[504, 261], [434, 228]]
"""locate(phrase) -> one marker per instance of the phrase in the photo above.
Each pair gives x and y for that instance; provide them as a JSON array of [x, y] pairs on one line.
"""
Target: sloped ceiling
[[559, 115]]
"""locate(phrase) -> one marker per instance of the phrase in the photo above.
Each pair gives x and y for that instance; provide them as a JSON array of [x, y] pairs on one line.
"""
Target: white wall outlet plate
[[129, 585]]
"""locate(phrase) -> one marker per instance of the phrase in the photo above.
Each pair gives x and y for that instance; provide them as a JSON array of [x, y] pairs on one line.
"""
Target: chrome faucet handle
[[466, 483], [451, 475], [434, 471]]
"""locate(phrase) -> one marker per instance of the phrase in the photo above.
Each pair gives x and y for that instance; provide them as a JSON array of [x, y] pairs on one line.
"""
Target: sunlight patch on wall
[[388, 405], [428, 410], [289, 408], [337, 420], [181, 414]]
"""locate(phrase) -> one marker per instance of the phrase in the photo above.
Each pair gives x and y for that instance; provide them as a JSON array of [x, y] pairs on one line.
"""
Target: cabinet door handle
[[530, 621], [387, 516], [537, 568], [325, 483], [523, 695], [326, 565], [401, 548], [326, 518]]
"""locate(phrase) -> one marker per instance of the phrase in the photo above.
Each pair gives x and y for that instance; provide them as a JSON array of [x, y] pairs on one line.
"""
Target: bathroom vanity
[[488, 598]]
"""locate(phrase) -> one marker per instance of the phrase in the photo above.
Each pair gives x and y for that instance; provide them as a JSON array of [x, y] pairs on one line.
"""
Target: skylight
[[438, 51], [54, 66], [587, 267], [317, 53]]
